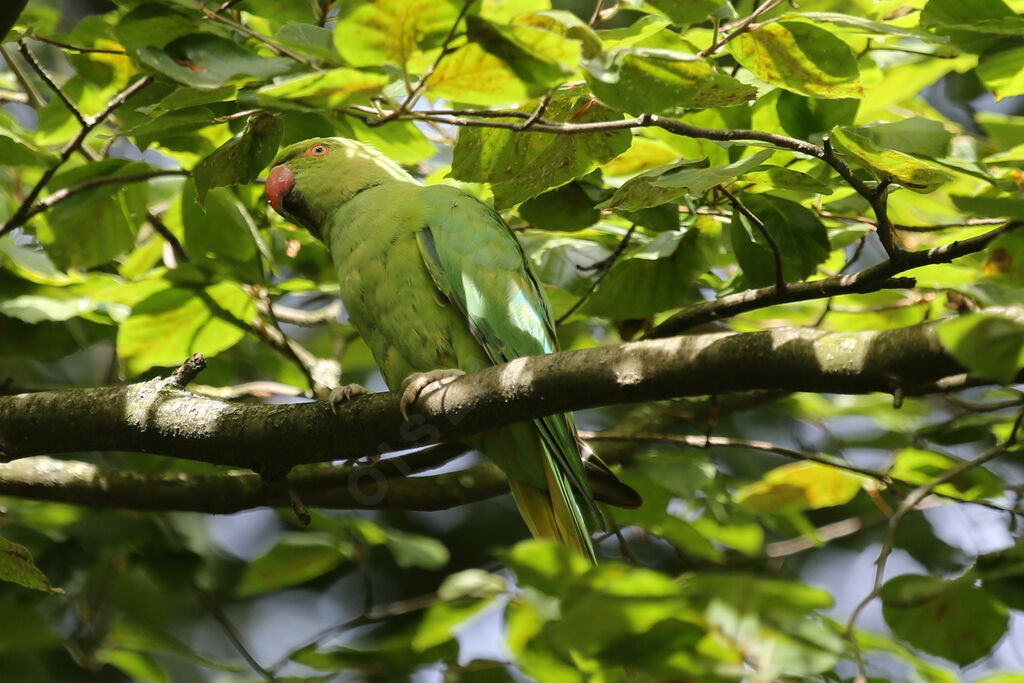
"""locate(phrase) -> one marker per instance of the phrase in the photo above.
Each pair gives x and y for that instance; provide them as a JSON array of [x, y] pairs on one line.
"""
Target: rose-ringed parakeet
[[437, 285]]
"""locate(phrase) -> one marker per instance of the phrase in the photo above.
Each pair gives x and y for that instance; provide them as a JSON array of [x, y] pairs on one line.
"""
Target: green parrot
[[437, 285]]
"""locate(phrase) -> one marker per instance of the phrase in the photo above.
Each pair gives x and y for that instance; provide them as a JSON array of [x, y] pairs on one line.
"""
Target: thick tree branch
[[159, 417]]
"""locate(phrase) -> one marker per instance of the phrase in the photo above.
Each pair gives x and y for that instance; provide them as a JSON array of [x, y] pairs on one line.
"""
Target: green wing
[[477, 263]]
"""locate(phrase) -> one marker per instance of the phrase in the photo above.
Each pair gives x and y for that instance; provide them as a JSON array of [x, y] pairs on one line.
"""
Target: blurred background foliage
[[132, 138]]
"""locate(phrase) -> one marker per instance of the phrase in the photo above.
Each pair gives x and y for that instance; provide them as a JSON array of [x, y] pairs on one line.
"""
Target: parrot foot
[[418, 382], [344, 393]]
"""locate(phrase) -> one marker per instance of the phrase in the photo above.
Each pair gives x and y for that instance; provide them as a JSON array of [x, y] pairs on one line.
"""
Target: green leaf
[[637, 32], [327, 89], [204, 61], [801, 238], [378, 32], [222, 228], [152, 25], [915, 135], [806, 117], [800, 57], [545, 565], [950, 619], [401, 141], [138, 666], [109, 214], [975, 25], [475, 583], [504, 64], [32, 264], [1001, 572], [567, 208], [295, 558], [664, 184], [528, 641], [782, 178], [414, 550], [441, 620], [128, 635], [16, 153], [684, 12], [1003, 73], [16, 566], [171, 325], [771, 597], [522, 165], [658, 81], [889, 165], [615, 602], [309, 39], [239, 160], [655, 277], [990, 207], [988, 345], [33, 308], [800, 486], [923, 467]]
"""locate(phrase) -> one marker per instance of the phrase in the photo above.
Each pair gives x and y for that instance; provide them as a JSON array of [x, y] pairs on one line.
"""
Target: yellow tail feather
[[547, 514]]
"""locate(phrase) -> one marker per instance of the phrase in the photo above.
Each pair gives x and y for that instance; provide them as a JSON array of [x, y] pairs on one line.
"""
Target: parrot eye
[[319, 150]]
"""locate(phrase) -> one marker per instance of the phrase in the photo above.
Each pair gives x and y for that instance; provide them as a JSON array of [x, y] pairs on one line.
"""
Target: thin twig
[[703, 441], [76, 48], [34, 99], [605, 265], [19, 217], [740, 27], [909, 504], [394, 609], [227, 5], [446, 49], [881, 276], [43, 74], [66, 193], [161, 229], [780, 278], [275, 336], [278, 49], [213, 607], [297, 316]]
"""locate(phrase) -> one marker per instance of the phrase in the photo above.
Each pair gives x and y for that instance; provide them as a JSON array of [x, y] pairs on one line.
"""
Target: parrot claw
[[344, 393], [418, 382]]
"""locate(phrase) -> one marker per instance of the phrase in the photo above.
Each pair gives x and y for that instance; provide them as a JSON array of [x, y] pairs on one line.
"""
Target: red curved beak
[[279, 183]]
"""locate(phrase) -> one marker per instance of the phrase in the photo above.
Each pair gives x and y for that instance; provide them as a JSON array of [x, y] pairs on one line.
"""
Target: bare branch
[[872, 279], [43, 74]]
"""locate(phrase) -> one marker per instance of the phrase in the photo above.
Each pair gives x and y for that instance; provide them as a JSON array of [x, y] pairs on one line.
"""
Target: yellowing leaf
[[800, 57], [504, 64], [922, 467], [656, 81], [913, 174], [329, 89], [378, 32], [800, 486]]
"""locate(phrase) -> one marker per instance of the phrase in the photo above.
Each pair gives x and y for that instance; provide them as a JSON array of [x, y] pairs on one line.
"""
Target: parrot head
[[310, 180]]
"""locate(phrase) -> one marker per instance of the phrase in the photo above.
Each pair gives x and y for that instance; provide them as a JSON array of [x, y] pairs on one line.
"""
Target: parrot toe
[[418, 382], [344, 393]]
